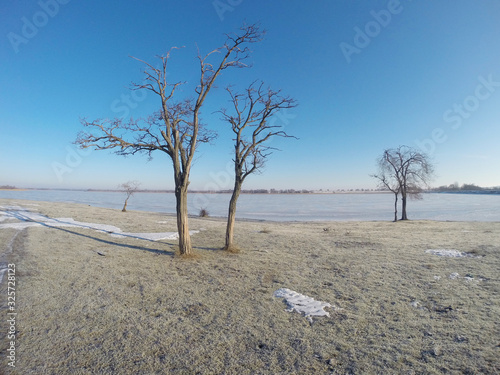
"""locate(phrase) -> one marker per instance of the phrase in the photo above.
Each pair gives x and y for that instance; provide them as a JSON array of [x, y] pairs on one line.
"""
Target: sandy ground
[[90, 303]]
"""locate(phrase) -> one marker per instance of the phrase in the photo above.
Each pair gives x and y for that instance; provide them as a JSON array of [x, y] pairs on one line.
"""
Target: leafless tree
[[130, 188], [250, 122], [406, 171], [175, 129], [389, 181]]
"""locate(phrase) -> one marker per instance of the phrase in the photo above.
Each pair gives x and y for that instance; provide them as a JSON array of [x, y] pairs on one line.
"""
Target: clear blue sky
[[367, 75]]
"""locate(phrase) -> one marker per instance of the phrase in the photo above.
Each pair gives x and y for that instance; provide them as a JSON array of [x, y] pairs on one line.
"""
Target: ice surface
[[289, 207], [301, 303]]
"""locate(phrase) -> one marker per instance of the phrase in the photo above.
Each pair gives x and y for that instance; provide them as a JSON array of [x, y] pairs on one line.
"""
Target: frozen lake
[[293, 207]]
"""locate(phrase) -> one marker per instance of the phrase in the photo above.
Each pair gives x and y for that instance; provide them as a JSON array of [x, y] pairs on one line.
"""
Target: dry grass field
[[90, 303]]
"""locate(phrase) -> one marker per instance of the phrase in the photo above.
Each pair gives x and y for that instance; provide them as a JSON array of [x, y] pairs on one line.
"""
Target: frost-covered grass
[[96, 304]]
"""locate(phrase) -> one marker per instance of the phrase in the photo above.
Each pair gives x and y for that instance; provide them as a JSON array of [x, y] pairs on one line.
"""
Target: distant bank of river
[[288, 207]]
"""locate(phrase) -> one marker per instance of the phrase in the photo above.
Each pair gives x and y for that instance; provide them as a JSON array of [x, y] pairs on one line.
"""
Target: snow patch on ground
[[415, 304], [455, 276], [25, 218], [302, 304], [468, 278], [450, 253]]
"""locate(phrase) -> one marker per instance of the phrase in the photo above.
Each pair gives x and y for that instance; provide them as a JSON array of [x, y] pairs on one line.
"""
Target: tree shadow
[[21, 217], [113, 243], [208, 248]]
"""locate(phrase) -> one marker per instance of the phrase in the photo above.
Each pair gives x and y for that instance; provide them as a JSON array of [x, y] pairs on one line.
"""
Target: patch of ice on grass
[[15, 208], [468, 278], [450, 253], [2, 271], [302, 304], [27, 219], [415, 304]]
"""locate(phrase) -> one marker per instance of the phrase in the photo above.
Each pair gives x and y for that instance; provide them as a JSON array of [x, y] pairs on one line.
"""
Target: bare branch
[[250, 122]]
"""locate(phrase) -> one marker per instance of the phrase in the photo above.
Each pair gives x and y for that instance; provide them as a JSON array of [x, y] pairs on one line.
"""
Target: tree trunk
[[182, 221], [395, 207], [403, 208], [231, 215], [124, 209]]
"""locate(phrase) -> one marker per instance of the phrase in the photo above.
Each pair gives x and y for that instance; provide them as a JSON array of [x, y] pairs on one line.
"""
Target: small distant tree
[[250, 122], [404, 171], [176, 129], [130, 188]]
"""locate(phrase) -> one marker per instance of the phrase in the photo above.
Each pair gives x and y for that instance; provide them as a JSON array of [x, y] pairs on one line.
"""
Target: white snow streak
[[24, 219], [450, 253]]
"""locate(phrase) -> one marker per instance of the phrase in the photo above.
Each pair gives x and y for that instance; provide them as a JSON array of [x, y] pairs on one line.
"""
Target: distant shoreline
[[262, 192], [482, 192], [249, 191]]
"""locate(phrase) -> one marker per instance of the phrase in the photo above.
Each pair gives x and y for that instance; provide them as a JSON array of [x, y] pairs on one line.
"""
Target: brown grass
[[140, 309], [233, 249]]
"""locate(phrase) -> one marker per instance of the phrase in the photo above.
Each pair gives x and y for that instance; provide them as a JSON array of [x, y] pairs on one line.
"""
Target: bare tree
[[175, 129], [130, 188], [406, 171], [250, 122], [388, 179]]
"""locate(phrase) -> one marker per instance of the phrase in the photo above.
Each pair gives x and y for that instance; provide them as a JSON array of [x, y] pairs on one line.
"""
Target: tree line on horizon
[[464, 187]]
